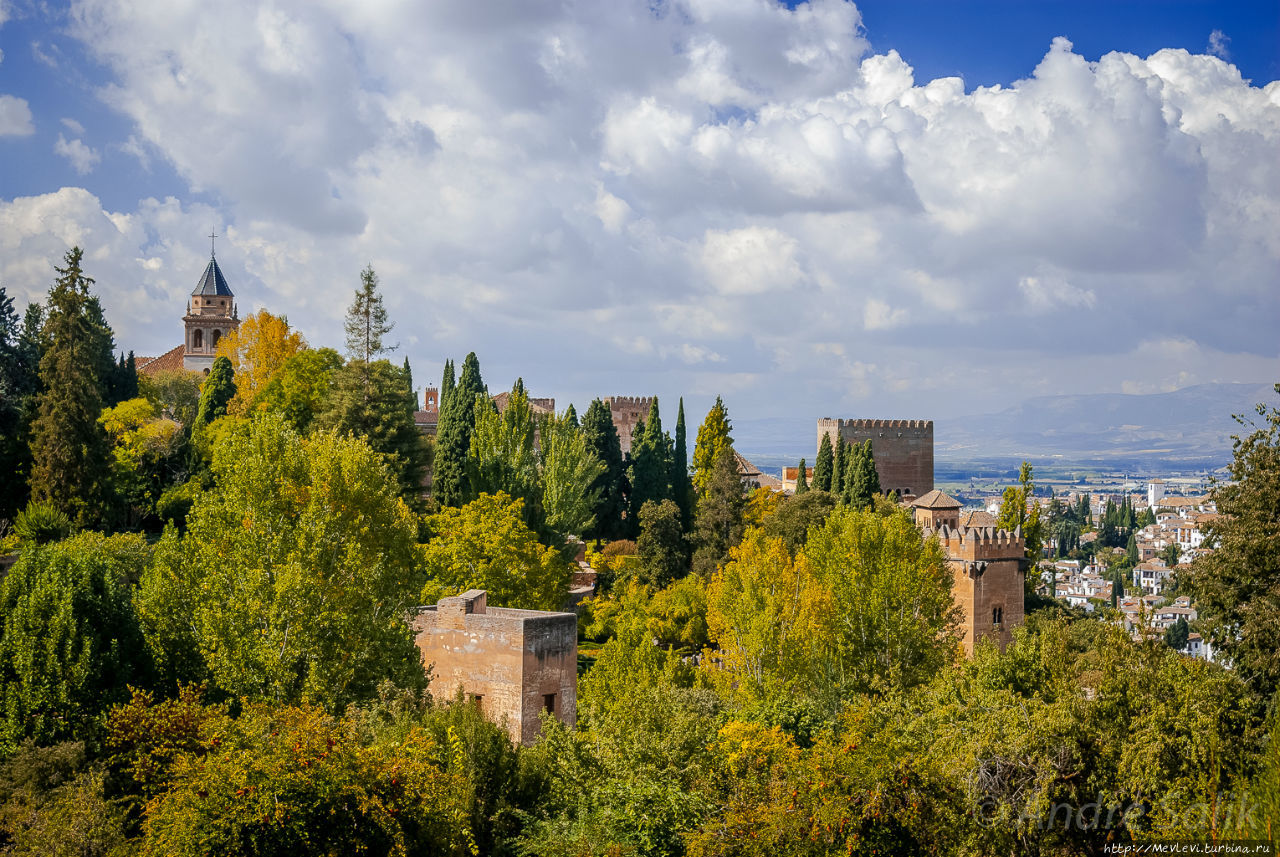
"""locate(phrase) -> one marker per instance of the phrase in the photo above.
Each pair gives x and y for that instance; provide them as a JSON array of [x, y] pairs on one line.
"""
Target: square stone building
[[514, 664]]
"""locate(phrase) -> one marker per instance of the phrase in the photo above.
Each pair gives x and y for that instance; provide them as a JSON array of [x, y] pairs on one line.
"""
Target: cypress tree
[[719, 524], [681, 484], [609, 488], [217, 390], [825, 464], [457, 422], [871, 475], [571, 416], [839, 468], [802, 480], [650, 465], [852, 487], [408, 380], [69, 449], [447, 383]]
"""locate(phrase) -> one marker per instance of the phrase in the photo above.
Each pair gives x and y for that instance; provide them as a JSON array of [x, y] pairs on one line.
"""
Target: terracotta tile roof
[[935, 499], [977, 518], [170, 360]]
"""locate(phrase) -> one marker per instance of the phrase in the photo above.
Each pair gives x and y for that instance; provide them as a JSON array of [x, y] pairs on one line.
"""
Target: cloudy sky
[[898, 208]]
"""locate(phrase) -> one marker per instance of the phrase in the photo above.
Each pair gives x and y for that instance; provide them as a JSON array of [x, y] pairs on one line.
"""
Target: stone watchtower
[[211, 314], [513, 664], [988, 565], [903, 450]]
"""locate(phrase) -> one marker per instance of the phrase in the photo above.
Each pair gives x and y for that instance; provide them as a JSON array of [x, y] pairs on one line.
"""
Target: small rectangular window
[[549, 703], [477, 698]]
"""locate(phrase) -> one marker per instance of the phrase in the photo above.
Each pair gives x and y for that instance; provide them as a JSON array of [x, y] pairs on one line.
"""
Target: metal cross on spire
[[212, 238]]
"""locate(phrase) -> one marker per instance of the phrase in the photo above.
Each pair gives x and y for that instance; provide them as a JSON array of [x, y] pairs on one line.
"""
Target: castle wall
[[903, 450], [508, 661]]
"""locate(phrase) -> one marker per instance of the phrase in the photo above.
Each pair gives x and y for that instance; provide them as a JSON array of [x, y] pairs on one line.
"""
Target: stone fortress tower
[[211, 314], [988, 565], [903, 450]]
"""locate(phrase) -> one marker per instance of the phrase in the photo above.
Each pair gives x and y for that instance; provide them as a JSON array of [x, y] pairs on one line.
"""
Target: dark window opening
[[217, 334], [549, 703], [997, 616], [477, 698], [197, 339]]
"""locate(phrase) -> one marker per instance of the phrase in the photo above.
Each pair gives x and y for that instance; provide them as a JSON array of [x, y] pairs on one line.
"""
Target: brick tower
[[988, 565]]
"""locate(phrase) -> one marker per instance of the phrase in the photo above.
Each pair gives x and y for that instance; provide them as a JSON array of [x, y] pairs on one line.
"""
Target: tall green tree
[[294, 575], [713, 439], [650, 464], [366, 325], [301, 388], [862, 482], [1018, 508], [453, 434], [802, 479], [609, 489], [681, 484], [661, 545], [568, 470], [839, 467], [894, 623], [486, 545], [68, 448], [447, 383], [503, 456], [823, 467], [20, 348], [216, 392], [70, 643], [371, 400], [1237, 586], [719, 525]]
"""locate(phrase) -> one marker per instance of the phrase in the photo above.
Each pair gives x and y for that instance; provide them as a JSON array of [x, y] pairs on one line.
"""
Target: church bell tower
[[211, 315]]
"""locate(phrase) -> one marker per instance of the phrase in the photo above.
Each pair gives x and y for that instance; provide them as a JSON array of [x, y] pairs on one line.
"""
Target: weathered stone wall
[[903, 450], [626, 412], [507, 660]]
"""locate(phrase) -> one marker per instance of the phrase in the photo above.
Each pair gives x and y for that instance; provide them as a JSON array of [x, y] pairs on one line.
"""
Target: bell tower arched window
[[217, 334], [197, 340]]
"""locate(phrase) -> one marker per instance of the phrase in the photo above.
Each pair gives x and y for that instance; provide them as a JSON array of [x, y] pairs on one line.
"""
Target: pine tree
[[681, 485], [69, 449], [802, 480], [822, 469], [457, 422], [366, 323], [609, 488], [371, 401], [713, 440], [839, 468]]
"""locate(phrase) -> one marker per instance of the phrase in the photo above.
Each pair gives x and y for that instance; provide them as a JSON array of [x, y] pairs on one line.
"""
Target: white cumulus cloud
[[15, 117], [83, 158]]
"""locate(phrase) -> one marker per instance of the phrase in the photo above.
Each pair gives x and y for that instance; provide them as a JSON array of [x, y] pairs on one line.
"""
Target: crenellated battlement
[[875, 425], [629, 401], [903, 449], [979, 543]]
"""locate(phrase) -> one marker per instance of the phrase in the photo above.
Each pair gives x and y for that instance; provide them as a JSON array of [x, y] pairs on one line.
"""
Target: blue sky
[[792, 207]]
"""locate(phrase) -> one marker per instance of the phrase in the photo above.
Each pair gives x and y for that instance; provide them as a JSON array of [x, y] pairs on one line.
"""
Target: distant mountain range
[[1189, 428]]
